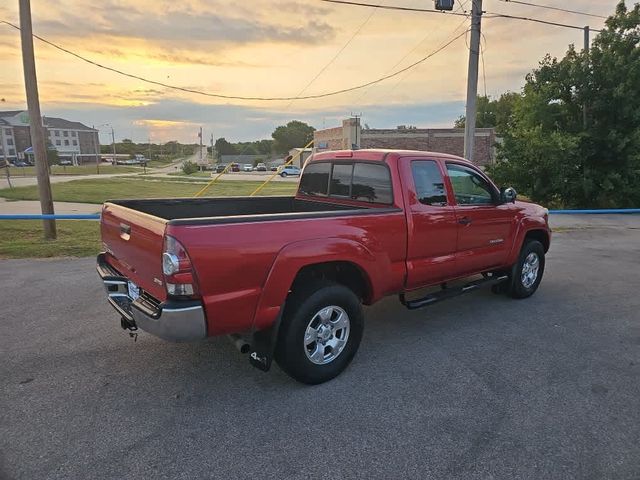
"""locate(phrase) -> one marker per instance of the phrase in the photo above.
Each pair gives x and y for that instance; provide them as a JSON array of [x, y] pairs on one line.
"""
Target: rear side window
[[429, 183], [365, 182], [315, 179], [341, 180], [371, 183]]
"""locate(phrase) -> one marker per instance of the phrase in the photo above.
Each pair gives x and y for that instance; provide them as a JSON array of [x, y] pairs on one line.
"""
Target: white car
[[247, 167], [289, 170]]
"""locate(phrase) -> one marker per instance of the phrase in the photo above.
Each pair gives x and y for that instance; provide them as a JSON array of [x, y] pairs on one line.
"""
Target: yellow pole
[[284, 165], [212, 181]]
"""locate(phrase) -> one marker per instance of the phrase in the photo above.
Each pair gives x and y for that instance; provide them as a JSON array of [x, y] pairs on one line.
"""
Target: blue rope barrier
[[97, 216], [51, 217], [603, 211]]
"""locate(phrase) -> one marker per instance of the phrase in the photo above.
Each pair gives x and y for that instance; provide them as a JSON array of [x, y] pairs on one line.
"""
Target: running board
[[447, 293]]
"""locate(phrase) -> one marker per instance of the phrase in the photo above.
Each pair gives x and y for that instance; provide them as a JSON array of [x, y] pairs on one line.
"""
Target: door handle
[[464, 221]]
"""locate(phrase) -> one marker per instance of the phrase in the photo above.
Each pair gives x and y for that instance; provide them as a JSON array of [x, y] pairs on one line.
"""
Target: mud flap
[[263, 345]]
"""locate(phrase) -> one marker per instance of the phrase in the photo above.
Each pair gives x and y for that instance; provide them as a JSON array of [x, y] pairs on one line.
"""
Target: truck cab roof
[[379, 154]]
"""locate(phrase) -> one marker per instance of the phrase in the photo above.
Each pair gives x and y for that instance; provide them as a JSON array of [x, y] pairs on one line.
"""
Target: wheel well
[[344, 273], [539, 235]]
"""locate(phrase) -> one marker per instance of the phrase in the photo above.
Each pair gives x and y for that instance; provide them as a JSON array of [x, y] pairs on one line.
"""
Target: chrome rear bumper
[[176, 321]]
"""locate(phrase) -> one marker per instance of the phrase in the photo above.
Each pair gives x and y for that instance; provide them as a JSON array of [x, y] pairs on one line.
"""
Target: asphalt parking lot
[[480, 387]]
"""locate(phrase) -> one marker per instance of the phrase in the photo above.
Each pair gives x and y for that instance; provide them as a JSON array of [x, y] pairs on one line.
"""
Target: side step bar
[[447, 293]]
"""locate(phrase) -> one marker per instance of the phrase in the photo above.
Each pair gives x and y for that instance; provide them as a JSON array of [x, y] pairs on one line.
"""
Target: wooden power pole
[[472, 80], [585, 107], [35, 119]]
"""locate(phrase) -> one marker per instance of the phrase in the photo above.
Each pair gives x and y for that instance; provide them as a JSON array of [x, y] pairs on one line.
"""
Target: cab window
[[315, 179], [469, 187], [429, 183]]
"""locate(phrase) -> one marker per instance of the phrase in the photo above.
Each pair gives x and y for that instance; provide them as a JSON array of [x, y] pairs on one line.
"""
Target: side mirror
[[508, 195]]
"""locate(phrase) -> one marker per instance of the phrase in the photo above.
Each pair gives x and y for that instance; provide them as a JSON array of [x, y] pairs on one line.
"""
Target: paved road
[[33, 207], [482, 387]]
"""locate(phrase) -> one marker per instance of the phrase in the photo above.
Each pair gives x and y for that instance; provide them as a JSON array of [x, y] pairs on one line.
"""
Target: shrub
[[189, 167]]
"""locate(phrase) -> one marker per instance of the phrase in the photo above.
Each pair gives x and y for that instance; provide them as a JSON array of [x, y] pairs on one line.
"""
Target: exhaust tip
[[240, 343]]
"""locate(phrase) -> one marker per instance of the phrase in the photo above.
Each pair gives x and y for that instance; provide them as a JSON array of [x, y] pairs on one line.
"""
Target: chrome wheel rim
[[326, 335], [530, 269]]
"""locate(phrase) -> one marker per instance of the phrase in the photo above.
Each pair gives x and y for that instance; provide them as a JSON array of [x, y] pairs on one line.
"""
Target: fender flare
[[295, 256], [526, 225]]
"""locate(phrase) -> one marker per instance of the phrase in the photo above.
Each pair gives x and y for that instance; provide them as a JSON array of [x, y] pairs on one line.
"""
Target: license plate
[[134, 290]]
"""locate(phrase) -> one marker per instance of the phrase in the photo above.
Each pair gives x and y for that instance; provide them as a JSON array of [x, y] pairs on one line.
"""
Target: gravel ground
[[480, 387]]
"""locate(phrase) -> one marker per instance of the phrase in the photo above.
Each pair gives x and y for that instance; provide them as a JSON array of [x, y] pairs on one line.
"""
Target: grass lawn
[[180, 173], [23, 239], [99, 190], [73, 170], [79, 238]]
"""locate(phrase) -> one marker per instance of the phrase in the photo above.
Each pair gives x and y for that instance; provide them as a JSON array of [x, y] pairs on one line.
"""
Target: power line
[[239, 97], [537, 20], [576, 12], [391, 7], [404, 77], [328, 64], [485, 14], [406, 55]]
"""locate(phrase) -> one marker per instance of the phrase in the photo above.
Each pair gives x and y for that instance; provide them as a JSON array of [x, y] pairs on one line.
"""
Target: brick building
[[444, 140], [72, 140]]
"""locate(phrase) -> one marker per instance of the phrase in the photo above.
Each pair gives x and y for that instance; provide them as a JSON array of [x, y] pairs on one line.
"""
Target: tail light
[[179, 276]]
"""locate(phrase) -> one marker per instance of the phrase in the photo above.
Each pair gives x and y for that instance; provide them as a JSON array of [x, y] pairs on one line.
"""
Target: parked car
[[220, 168], [274, 169], [20, 164], [65, 162], [289, 170], [235, 167], [286, 277], [247, 167], [261, 167]]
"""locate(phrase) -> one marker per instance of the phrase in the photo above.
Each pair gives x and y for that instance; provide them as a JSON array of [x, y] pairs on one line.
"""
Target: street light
[[113, 139]]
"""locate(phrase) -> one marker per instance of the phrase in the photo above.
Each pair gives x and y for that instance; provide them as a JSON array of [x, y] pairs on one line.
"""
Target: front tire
[[283, 174], [320, 332], [527, 272]]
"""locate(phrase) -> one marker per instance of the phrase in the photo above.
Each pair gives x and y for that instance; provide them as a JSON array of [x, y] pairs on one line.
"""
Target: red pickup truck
[[285, 277]]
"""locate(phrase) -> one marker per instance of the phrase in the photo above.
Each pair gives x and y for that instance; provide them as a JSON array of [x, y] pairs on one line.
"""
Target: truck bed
[[178, 211]]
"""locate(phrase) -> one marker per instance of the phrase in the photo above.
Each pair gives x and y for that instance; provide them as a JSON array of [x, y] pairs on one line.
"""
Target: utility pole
[[212, 156], [6, 159], [149, 148], [586, 52], [95, 147], [472, 80], [35, 119], [200, 137], [113, 145]]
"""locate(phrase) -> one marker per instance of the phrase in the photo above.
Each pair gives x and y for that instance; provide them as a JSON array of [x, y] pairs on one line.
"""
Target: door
[[484, 225], [431, 221]]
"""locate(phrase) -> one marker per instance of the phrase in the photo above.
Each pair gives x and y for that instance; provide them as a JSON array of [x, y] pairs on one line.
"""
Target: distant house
[[72, 140], [301, 155]]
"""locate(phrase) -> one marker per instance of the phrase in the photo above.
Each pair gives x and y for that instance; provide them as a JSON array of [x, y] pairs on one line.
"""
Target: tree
[[550, 154], [293, 134], [189, 167], [52, 156], [493, 113], [225, 148]]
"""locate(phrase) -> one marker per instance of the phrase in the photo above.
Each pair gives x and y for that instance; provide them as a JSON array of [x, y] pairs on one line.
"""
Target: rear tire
[[320, 332], [283, 174], [527, 272]]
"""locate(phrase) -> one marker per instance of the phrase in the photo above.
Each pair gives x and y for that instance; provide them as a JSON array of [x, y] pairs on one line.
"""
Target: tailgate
[[133, 243]]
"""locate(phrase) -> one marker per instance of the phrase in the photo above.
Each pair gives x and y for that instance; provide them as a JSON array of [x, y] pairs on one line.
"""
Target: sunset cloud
[[266, 48]]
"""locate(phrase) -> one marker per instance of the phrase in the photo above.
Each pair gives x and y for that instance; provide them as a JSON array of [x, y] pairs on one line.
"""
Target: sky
[[269, 48]]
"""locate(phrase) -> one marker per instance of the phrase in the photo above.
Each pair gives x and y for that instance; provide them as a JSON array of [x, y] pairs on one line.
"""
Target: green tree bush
[[548, 151], [189, 167]]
